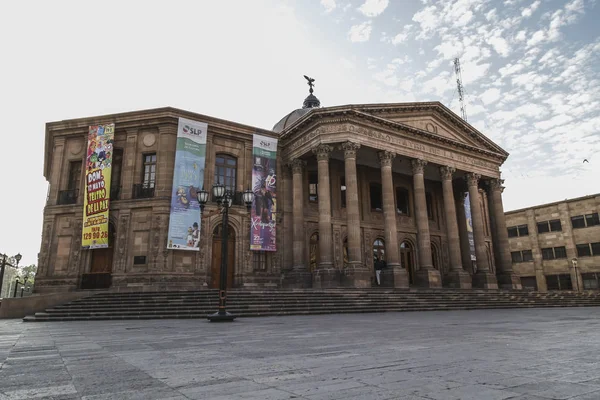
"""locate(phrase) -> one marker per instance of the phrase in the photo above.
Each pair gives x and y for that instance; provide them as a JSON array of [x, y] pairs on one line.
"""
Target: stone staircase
[[255, 303]]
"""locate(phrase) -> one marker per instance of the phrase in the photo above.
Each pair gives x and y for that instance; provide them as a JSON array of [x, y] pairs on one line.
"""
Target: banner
[[188, 176], [470, 227], [98, 167], [264, 184]]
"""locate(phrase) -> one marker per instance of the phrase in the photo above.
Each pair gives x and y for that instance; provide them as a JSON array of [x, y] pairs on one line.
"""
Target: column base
[[459, 279], [355, 275], [326, 276], [297, 280], [394, 276], [509, 281], [485, 280], [428, 277]]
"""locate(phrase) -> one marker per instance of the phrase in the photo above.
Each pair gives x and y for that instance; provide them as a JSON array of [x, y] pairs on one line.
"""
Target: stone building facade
[[355, 182], [556, 246]]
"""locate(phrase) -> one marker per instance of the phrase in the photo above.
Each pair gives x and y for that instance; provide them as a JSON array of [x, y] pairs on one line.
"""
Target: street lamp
[[224, 199], [11, 262], [574, 263]]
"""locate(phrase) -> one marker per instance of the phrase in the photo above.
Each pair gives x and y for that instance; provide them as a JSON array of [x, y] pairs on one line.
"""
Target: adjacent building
[[354, 183], [556, 246]]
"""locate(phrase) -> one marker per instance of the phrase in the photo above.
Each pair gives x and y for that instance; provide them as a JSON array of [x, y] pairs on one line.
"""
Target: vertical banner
[[98, 167], [188, 176], [264, 186], [470, 227]]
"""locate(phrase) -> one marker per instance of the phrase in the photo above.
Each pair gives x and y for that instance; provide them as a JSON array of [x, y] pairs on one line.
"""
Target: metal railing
[[142, 191]]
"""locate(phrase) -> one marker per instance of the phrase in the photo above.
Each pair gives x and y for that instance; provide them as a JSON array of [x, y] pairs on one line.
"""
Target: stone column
[[355, 274], [299, 277], [457, 276], [325, 275], [483, 278], [394, 275], [465, 246], [507, 279], [426, 275]]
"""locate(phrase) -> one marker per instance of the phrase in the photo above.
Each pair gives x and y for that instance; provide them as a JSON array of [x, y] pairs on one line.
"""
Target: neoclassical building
[[355, 182]]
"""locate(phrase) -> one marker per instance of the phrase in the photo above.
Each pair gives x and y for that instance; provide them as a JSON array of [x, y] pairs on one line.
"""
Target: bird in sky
[[585, 160]]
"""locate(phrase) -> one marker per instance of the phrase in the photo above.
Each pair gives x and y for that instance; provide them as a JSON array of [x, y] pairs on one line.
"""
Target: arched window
[[314, 251], [225, 171], [407, 260], [378, 249]]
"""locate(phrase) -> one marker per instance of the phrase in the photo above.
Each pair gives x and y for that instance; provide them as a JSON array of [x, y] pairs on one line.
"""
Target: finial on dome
[[311, 101]]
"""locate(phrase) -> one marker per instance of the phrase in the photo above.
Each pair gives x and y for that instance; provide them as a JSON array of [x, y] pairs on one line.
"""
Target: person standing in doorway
[[379, 265]]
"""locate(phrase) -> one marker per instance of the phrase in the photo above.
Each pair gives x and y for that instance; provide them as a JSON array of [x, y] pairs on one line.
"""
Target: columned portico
[[398, 273], [325, 275], [504, 272], [426, 275], [483, 278], [355, 274], [457, 276]]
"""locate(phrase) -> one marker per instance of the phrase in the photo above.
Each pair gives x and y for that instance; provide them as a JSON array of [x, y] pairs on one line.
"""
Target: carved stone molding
[[297, 165], [472, 178], [386, 158], [322, 151], [350, 149], [418, 166], [75, 252], [496, 184], [447, 172]]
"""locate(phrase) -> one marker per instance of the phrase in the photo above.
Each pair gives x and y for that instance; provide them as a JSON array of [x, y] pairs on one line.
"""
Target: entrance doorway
[[100, 275], [217, 242], [407, 260]]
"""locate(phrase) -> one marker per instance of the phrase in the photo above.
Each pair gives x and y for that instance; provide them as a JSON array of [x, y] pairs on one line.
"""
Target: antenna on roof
[[459, 85]]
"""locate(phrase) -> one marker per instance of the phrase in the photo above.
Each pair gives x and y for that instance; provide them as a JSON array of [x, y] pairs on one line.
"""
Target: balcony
[[142, 191], [67, 197]]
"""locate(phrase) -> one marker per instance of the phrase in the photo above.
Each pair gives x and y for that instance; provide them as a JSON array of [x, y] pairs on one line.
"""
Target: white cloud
[[473, 72], [372, 8], [360, 32], [500, 45], [428, 20], [536, 38], [402, 36], [528, 11], [490, 96], [521, 36], [329, 5]]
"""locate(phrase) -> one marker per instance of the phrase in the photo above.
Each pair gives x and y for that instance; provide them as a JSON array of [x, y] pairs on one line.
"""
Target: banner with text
[[188, 177], [98, 167], [264, 184], [470, 227]]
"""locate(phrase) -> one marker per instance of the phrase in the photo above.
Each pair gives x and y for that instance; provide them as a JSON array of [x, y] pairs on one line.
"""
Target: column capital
[[386, 158], [418, 166], [297, 165], [322, 151], [447, 172], [350, 149], [472, 178], [496, 184]]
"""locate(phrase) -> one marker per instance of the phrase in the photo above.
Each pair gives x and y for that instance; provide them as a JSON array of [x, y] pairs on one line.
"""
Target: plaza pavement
[[468, 355]]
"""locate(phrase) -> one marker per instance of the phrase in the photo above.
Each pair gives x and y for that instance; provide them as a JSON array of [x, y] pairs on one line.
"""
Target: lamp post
[[11, 262], [574, 263], [224, 199]]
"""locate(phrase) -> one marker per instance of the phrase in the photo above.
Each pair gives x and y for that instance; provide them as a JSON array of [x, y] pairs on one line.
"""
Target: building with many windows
[[354, 183], [556, 246]]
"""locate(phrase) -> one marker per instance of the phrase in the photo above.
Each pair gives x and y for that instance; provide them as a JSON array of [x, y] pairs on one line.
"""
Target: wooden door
[[215, 275], [102, 261]]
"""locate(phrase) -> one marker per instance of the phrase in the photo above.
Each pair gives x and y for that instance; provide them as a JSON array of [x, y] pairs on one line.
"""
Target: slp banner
[[184, 223], [264, 185], [98, 168]]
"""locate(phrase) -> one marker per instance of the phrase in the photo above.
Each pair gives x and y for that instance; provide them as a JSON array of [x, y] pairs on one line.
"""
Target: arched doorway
[[407, 260], [435, 259], [217, 243], [378, 249], [100, 275], [345, 250], [313, 251]]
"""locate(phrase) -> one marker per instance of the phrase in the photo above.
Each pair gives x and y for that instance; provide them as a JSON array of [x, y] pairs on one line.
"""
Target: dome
[[289, 119]]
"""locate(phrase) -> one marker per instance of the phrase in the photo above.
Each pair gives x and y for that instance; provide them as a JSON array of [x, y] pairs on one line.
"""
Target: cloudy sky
[[530, 71]]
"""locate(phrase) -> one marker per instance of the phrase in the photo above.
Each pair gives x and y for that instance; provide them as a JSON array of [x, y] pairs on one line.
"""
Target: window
[[74, 175], [139, 260], [578, 222], [583, 250], [559, 282], [225, 171], [520, 230], [516, 256], [547, 253], [529, 282], [590, 281], [527, 256], [592, 219], [402, 201], [581, 221], [379, 249], [115, 179], [343, 191], [555, 225], [543, 227], [375, 194], [149, 171], [429, 201], [560, 252], [259, 260], [313, 184], [596, 248]]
